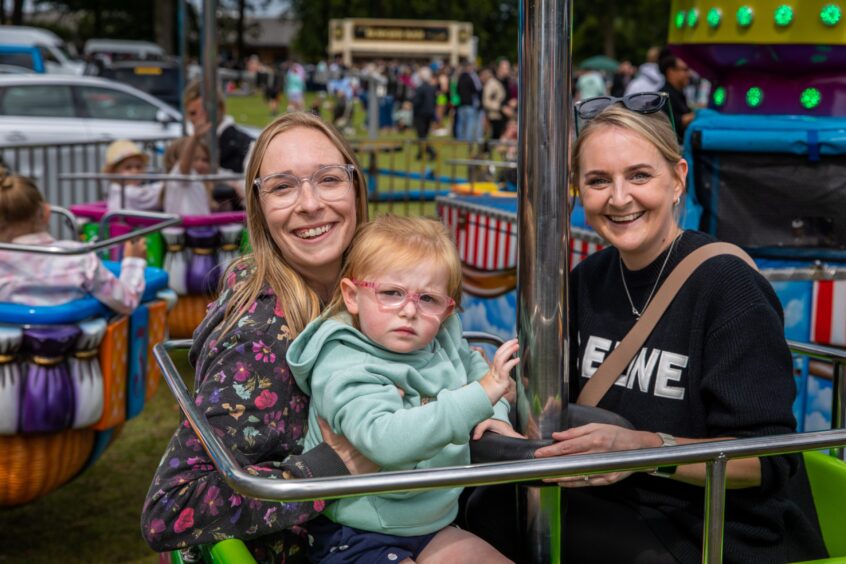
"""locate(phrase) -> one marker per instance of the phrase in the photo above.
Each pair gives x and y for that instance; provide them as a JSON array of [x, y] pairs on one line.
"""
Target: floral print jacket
[[248, 395]]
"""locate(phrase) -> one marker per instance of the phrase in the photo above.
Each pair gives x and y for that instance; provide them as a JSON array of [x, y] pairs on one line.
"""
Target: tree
[[613, 27]]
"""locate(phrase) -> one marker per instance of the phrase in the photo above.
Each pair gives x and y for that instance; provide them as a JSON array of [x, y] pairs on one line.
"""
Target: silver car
[[52, 109]]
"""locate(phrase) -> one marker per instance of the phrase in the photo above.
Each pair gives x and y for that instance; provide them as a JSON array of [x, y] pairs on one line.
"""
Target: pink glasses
[[395, 296]]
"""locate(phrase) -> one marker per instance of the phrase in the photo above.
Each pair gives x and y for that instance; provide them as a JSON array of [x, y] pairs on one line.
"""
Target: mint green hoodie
[[353, 384]]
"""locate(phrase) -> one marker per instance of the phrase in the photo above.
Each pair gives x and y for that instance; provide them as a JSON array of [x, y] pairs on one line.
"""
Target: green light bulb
[[783, 15], [719, 96], [680, 17], [692, 18], [745, 16], [810, 98], [754, 97], [830, 15], [715, 15]]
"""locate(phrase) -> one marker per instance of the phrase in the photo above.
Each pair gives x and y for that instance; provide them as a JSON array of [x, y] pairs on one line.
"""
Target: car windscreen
[[25, 60], [766, 199], [149, 79]]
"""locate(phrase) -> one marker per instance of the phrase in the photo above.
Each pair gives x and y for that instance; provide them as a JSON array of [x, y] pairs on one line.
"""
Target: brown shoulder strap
[[618, 360]]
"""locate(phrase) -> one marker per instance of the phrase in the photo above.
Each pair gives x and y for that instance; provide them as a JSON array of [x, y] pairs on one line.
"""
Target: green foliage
[[615, 28]]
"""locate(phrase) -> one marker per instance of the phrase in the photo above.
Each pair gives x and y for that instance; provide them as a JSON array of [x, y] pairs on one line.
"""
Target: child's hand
[[495, 426], [202, 130], [136, 248], [497, 379]]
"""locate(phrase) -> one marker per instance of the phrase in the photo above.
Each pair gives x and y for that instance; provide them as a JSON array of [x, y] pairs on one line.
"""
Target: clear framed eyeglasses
[[329, 182], [394, 296]]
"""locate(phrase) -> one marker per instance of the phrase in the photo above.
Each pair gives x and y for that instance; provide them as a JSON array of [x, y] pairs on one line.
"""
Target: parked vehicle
[[56, 109], [22, 56], [157, 78], [57, 56], [123, 49]]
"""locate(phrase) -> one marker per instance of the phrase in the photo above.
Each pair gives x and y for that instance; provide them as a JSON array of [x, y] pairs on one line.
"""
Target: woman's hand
[[355, 462], [496, 381], [591, 438], [495, 426]]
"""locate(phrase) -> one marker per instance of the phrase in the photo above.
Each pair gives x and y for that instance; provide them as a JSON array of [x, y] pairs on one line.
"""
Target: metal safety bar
[[166, 220], [838, 397], [715, 454], [69, 218], [151, 176]]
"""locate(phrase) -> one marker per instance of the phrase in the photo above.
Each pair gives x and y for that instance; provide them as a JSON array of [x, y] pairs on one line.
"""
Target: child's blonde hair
[[20, 200], [391, 242]]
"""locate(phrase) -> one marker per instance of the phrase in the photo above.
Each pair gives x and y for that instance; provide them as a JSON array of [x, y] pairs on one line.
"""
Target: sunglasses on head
[[641, 102]]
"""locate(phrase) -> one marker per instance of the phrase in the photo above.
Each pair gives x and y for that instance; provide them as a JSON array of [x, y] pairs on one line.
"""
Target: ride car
[[51, 109]]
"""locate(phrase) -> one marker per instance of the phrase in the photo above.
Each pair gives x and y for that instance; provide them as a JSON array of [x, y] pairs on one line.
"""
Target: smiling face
[[627, 190], [311, 234], [404, 329]]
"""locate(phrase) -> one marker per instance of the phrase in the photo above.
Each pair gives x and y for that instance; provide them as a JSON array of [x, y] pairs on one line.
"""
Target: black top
[[424, 100], [716, 365], [234, 145], [678, 103], [469, 90]]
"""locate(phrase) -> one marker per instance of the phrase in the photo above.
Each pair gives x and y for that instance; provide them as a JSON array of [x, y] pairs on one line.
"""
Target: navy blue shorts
[[339, 544]]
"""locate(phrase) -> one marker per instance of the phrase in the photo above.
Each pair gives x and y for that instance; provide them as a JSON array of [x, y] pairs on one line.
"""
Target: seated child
[[40, 279], [387, 367], [188, 155], [125, 157]]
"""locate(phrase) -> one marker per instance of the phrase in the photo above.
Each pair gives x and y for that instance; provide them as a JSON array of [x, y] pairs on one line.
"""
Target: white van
[[123, 49], [57, 58]]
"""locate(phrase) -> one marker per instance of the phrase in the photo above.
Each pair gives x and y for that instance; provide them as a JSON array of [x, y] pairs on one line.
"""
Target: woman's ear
[[680, 172], [350, 293]]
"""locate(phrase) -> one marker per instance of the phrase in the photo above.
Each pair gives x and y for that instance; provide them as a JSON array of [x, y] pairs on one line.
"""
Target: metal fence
[[398, 180]]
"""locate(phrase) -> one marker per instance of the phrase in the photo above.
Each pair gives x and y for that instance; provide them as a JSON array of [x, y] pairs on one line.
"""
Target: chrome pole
[[715, 509], [542, 266], [210, 90]]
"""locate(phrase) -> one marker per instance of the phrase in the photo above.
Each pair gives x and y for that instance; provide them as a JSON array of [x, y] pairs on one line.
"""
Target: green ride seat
[[827, 476], [229, 551]]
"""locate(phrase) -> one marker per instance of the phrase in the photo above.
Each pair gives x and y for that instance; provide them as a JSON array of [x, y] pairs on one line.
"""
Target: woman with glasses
[[305, 196], [716, 366], [388, 368]]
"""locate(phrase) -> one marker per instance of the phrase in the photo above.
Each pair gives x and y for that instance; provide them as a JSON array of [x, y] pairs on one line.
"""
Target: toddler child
[[188, 155], [40, 279], [125, 157], [387, 367]]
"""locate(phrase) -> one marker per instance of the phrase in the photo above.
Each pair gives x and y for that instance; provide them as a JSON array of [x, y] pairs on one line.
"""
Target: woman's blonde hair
[[655, 128], [20, 200], [390, 243], [266, 264]]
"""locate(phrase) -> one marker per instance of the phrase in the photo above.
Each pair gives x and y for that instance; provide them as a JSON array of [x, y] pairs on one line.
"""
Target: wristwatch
[[665, 471]]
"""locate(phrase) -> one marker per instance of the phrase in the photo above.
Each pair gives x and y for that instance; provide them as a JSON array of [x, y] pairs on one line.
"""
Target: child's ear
[[350, 293], [449, 311], [45, 214]]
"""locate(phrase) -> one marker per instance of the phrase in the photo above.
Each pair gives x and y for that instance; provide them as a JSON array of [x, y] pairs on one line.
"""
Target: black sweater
[[716, 365]]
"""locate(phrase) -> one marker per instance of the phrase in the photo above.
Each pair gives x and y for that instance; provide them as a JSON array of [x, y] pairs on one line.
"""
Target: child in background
[[125, 157], [188, 155], [40, 279], [386, 366]]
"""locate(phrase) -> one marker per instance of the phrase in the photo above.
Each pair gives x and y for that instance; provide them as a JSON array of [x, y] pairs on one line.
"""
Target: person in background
[[388, 368], [469, 89], [184, 156], [624, 75], [233, 144], [424, 111], [295, 80], [39, 279], [590, 84], [493, 98], [126, 158], [649, 77], [676, 78]]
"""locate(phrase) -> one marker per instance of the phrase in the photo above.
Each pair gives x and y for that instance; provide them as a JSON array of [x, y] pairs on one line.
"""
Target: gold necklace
[[635, 311]]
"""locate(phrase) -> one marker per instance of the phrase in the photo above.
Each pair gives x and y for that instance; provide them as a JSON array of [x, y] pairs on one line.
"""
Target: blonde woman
[[305, 196]]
